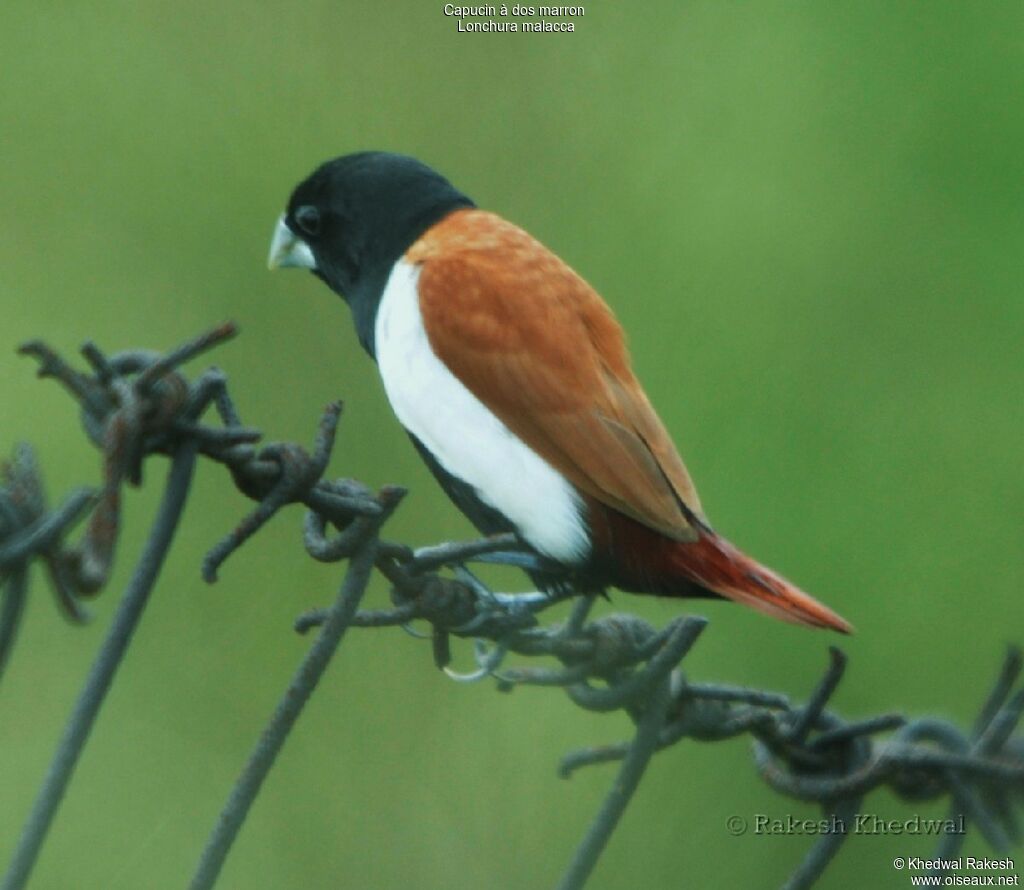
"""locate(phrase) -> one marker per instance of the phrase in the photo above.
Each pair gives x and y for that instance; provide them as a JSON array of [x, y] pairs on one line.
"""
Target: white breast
[[467, 439]]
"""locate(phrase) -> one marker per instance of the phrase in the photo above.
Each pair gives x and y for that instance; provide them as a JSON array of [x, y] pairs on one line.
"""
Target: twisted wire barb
[[137, 403], [27, 531], [128, 417]]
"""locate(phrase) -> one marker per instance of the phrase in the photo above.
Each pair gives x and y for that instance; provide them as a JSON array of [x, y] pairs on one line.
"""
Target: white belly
[[468, 440]]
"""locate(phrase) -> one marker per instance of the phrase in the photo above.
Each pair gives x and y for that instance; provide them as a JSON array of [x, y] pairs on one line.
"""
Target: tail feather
[[715, 564], [641, 560]]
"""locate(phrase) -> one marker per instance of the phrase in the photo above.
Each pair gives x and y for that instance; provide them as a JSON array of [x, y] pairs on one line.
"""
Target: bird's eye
[[307, 217]]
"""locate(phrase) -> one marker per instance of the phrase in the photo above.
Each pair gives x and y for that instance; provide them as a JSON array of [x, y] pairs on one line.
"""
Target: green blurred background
[[809, 218]]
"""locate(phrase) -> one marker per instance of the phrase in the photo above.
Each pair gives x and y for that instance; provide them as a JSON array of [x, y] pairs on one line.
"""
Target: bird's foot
[[515, 609]]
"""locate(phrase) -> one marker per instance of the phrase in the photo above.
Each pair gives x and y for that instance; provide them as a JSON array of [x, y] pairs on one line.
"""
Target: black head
[[354, 217]]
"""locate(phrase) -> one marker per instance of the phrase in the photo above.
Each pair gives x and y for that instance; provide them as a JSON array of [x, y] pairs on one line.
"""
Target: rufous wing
[[538, 346]]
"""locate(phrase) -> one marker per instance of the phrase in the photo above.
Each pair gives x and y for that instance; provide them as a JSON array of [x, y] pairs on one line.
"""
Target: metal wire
[[136, 404]]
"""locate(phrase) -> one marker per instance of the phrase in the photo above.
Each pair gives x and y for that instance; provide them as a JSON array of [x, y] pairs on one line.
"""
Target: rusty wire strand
[[271, 740], [101, 674], [137, 403], [637, 755]]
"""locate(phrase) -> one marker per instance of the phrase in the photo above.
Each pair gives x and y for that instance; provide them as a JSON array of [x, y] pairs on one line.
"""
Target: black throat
[[365, 293], [359, 214]]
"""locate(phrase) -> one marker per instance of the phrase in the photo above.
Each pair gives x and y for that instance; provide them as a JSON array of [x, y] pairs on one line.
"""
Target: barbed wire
[[137, 403]]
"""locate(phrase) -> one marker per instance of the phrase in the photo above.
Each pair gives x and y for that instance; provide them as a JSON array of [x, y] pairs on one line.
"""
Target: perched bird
[[512, 378]]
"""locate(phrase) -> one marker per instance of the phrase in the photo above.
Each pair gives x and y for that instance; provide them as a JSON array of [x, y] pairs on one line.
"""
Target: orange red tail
[[715, 564], [641, 560]]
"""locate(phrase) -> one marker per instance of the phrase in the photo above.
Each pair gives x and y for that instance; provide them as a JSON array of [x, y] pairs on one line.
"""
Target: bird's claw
[[488, 661]]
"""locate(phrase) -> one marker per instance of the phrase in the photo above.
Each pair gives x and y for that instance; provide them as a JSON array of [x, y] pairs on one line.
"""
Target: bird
[[512, 377]]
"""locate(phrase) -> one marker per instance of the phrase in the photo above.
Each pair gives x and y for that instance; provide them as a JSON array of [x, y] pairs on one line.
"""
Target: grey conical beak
[[288, 249]]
